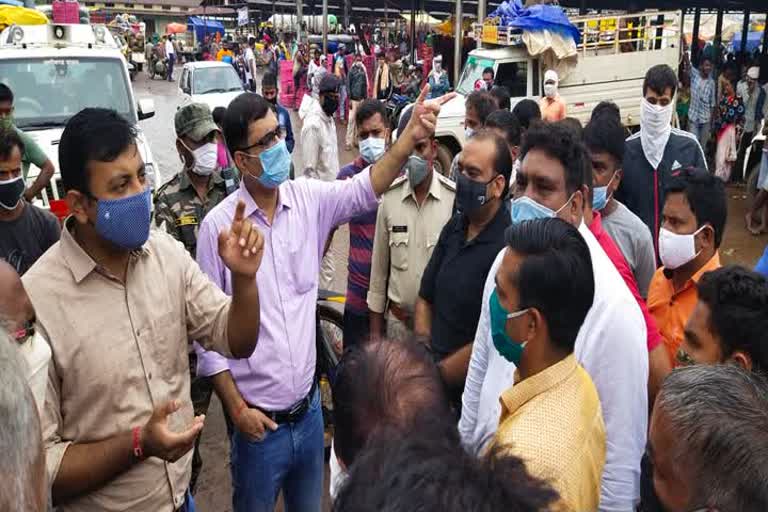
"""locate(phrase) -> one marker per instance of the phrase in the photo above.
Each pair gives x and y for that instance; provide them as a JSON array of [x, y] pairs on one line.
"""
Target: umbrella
[[175, 28]]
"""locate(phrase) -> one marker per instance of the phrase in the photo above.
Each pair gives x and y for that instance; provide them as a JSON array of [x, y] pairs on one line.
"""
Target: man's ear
[[577, 205], [741, 359], [78, 204]]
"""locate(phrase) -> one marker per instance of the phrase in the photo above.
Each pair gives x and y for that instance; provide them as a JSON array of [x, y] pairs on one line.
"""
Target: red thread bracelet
[[240, 409], [138, 452]]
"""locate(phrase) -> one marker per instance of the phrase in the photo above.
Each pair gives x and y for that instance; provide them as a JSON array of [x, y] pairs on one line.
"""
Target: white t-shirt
[[249, 57], [169, 50], [611, 346]]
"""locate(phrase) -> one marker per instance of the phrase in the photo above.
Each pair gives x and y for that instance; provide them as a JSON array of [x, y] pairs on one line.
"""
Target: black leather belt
[[295, 413]]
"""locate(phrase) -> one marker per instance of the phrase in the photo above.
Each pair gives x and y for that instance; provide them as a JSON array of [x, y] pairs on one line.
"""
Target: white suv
[[55, 71]]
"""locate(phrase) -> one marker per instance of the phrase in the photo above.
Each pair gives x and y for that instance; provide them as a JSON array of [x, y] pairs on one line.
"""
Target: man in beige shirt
[[410, 218], [118, 304]]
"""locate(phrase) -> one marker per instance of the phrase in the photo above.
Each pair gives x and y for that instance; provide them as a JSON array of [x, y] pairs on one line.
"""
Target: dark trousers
[[356, 328], [171, 60], [201, 389]]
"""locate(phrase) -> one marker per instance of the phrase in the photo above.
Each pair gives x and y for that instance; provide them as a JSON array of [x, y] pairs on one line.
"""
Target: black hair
[[430, 471], [92, 135], [607, 108], [9, 139], [6, 94], [555, 276], [218, 115], [560, 143], [527, 111], [502, 161], [660, 78], [369, 108], [505, 121], [244, 110], [705, 194], [384, 384], [574, 125], [738, 311], [502, 96], [269, 80], [488, 70], [604, 135], [482, 103]]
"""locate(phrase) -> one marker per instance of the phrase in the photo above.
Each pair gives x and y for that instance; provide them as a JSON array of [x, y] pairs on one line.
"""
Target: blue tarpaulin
[[754, 40], [511, 13], [203, 27]]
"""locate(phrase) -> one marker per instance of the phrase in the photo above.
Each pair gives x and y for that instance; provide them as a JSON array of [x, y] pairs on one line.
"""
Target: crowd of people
[[551, 329]]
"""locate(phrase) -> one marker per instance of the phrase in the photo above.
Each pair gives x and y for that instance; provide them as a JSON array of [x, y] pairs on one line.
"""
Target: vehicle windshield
[[473, 71], [48, 92], [218, 79]]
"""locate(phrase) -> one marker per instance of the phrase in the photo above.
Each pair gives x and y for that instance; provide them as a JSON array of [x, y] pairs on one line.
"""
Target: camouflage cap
[[194, 121]]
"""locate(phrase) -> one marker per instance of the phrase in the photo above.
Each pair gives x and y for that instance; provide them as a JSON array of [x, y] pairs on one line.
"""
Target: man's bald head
[[15, 307]]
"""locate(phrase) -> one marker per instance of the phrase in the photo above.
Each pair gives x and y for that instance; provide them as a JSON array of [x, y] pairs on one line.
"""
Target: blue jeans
[[171, 60], [291, 458], [702, 132], [189, 504]]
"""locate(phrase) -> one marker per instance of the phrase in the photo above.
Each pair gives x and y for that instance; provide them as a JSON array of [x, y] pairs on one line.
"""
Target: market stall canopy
[[203, 27], [175, 28]]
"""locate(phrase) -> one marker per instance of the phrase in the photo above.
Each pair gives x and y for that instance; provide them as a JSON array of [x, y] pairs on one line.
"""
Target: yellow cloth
[[553, 421], [10, 14], [223, 53]]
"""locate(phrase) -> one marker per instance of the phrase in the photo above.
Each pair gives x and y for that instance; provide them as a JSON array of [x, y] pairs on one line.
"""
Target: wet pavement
[[214, 486]]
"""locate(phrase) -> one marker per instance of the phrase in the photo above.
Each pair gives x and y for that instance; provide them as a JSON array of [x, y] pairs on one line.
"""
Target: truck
[[614, 54], [55, 71]]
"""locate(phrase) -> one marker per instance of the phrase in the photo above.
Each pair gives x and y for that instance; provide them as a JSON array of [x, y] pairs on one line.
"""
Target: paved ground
[[214, 486]]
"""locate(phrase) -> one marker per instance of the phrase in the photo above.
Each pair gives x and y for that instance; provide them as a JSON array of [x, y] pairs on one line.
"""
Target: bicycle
[[330, 347]]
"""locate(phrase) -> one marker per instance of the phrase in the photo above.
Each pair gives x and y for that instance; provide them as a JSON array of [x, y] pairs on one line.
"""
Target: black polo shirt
[[454, 279]]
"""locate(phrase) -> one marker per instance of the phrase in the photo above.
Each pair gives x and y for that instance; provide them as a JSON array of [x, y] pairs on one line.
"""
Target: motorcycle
[[394, 107], [157, 67], [330, 347]]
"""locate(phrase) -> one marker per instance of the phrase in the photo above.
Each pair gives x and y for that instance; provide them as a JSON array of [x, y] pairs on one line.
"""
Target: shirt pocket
[[303, 272], [431, 242], [398, 249]]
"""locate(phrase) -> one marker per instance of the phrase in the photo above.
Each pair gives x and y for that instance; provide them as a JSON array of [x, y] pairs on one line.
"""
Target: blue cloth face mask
[[509, 349], [600, 195], [275, 164], [525, 208], [372, 148], [125, 221]]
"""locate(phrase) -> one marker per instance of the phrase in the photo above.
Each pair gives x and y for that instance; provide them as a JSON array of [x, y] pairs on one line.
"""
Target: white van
[[614, 54], [55, 71]]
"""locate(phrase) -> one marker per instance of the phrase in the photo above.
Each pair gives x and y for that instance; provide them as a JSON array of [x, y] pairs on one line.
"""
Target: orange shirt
[[552, 110], [671, 309]]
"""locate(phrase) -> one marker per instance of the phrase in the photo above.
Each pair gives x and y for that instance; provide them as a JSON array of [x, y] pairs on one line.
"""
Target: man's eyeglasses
[[267, 141], [26, 332]]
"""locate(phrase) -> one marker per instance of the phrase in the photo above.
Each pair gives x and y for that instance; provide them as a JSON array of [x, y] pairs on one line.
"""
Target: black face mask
[[11, 192], [471, 195], [330, 105]]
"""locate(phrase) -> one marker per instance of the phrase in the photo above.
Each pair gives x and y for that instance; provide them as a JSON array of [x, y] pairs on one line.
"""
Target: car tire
[[444, 160]]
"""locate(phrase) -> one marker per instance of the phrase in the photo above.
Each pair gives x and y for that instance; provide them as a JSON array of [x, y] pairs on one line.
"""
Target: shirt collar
[[434, 188], [494, 230], [712, 264], [525, 390], [185, 181], [80, 262], [597, 224], [283, 199]]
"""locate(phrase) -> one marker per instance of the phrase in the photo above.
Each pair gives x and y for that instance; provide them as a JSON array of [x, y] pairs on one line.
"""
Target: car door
[[184, 86]]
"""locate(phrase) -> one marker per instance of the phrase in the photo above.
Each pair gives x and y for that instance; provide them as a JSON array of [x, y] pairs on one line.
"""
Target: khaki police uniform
[[406, 235]]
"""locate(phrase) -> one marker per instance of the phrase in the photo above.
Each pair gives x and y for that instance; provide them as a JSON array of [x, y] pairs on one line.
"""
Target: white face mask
[[468, 133], [206, 158], [655, 128], [677, 250], [550, 90]]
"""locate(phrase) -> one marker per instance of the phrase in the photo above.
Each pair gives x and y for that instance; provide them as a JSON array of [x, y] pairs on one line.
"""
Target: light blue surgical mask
[[525, 208], [372, 148], [469, 133], [508, 348], [125, 221], [275, 164], [600, 195], [417, 169]]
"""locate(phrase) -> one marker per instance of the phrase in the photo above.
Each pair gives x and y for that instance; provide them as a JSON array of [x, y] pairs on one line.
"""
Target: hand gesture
[[254, 424], [424, 116], [159, 441], [241, 247]]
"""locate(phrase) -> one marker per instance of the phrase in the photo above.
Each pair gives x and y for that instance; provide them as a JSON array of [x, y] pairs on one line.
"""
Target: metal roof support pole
[[695, 37], [457, 44], [299, 19], [413, 32], [719, 36], [744, 33], [480, 18], [325, 27]]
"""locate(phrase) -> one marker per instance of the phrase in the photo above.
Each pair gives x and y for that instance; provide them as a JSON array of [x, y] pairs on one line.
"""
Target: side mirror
[[146, 109]]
